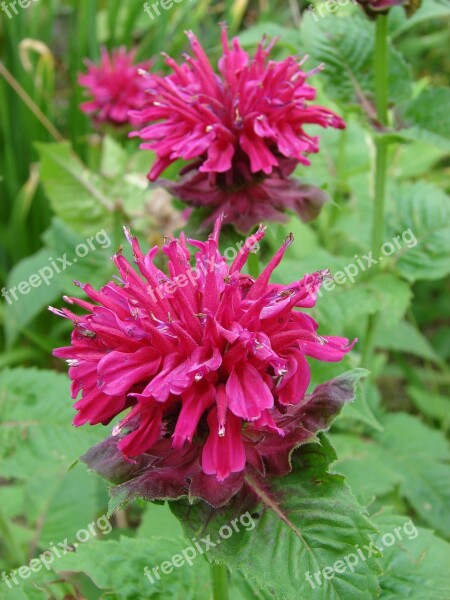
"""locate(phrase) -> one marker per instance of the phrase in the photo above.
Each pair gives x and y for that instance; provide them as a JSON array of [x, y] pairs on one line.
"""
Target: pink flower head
[[115, 86], [210, 362], [254, 111], [235, 129]]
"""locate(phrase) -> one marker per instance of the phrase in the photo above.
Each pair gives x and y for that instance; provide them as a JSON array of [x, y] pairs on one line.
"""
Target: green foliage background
[[390, 445]]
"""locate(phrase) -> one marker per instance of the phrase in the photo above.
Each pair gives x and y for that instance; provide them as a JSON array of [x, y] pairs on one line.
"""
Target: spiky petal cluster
[[210, 362], [115, 87], [239, 126]]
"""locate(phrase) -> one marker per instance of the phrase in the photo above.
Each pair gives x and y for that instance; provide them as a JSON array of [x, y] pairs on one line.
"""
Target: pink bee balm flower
[[115, 87], [254, 111], [236, 129], [211, 363]]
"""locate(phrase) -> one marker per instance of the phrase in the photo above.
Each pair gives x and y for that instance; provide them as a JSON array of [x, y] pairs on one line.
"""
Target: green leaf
[[427, 118], [416, 564], [22, 311], [303, 522], [117, 569], [404, 337], [416, 160], [384, 293], [96, 266], [67, 256], [157, 520], [38, 586], [429, 9], [420, 212], [52, 501], [346, 47], [89, 202], [431, 404], [359, 409], [365, 466], [114, 158], [242, 588], [37, 446], [393, 295], [406, 453], [76, 194], [36, 431]]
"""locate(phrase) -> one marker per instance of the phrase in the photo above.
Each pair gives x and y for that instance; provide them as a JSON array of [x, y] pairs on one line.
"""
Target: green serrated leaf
[[422, 210], [415, 562], [36, 431], [298, 531], [427, 118], [117, 569], [346, 48]]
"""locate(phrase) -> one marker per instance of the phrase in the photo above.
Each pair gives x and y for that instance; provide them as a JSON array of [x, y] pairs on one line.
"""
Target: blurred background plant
[[61, 181]]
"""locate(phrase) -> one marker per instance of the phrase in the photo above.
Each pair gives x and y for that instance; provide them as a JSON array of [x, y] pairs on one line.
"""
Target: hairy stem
[[219, 577], [381, 99]]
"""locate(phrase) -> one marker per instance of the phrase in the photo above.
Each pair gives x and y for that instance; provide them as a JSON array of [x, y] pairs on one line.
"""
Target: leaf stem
[[30, 103], [381, 100], [219, 577]]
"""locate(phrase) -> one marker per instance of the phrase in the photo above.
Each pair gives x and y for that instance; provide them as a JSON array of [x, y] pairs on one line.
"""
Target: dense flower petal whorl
[[210, 362], [115, 87], [234, 128]]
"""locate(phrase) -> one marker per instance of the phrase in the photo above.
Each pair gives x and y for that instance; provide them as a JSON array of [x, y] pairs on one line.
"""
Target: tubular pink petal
[[225, 454]]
